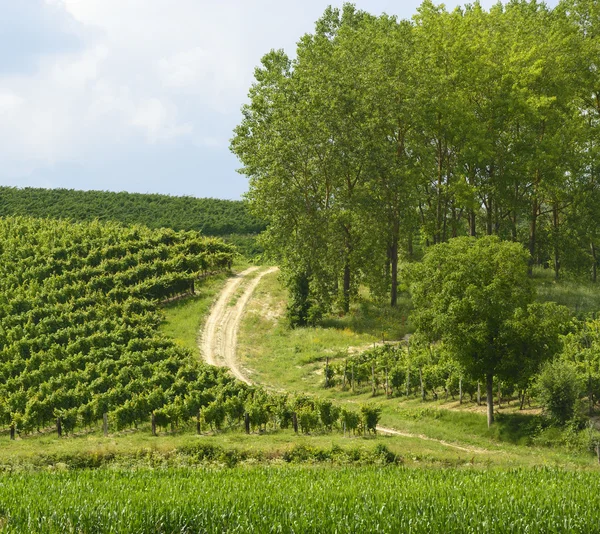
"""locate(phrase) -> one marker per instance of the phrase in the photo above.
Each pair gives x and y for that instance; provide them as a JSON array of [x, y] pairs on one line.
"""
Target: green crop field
[[292, 499]]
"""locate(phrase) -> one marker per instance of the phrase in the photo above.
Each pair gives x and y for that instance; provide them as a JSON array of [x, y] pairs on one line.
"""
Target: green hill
[[79, 323], [210, 216]]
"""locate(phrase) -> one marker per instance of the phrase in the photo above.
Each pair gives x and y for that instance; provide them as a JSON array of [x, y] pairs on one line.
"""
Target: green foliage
[[211, 216], [304, 499], [370, 416], [79, 317], [380, 137], [559, 387]]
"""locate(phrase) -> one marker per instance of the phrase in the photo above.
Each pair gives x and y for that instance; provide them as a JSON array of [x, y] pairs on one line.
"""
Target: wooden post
[[247, 422], [295, 422], [460, 395], [105, 424], [478, 393], [153, 420], [373, 378], [12, 431], [387, 384], [59, 427], [327, 372], [422, 385], [407, 367], [198, 423]]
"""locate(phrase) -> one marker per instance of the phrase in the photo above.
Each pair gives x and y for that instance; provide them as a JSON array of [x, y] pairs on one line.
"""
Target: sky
[[139, 95]]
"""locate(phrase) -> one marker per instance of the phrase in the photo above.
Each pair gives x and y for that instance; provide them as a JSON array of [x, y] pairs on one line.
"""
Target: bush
[[558, 388], [370, 417]]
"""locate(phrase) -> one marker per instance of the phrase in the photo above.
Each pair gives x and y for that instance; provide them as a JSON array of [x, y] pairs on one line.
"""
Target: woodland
[[382, 137]]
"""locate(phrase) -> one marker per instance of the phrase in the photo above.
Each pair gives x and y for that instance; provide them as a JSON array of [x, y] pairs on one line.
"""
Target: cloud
[[34, 29], [133, 90]]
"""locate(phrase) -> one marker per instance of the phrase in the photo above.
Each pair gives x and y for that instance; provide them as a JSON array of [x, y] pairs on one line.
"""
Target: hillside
[[79, 318], [210, 216]]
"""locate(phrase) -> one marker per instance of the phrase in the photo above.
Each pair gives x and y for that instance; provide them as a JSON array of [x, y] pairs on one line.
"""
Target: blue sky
[[138, 95]]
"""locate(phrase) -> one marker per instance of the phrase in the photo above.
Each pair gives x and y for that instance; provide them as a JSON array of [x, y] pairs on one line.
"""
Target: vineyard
[[79, 316], [211, 216]]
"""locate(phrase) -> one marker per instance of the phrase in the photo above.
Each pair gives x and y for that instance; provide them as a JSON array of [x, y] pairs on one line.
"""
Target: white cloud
[[9, 103], [143, 75], [154, 117]]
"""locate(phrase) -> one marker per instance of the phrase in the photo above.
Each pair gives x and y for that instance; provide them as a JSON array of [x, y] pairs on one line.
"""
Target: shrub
[[558, 388]]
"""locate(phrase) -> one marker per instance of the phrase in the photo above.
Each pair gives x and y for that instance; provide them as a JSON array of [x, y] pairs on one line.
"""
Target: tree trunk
[[478, 393], [590, 394], [387, 384], [555, 223], [523, 394], [472, 223], [373, 379], [153, 424], [595, 263], [394, 262], [295, 422], [346, 289], [12, 431], [247, 422], [490, 398], [59, 427], [489, 218], [533, 234], [460, 393]]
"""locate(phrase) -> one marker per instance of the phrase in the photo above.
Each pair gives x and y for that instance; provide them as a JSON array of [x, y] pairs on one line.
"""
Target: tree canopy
[[475, 295], [382, 137]]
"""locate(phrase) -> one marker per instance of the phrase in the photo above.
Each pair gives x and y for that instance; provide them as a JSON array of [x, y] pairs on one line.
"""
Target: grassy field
[[293, 360], [291, 499], [580, 297]]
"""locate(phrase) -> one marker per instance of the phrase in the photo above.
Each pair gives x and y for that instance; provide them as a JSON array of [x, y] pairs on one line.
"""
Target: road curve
[[219, 339], [219, 336]]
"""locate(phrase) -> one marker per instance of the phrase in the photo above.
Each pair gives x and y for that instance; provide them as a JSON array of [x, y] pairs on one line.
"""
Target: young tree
[[466, 292]]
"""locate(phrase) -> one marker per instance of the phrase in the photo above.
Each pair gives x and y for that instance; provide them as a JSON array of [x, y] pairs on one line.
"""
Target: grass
[[294, 360], [138, 448], [580, 297]]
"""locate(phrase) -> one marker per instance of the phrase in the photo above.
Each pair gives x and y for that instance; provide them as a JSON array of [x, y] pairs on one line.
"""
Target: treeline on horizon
[[211, 216], [384, 136]]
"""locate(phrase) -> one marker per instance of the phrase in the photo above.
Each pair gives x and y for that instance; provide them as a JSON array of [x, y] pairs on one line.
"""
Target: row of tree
[[382, 137]]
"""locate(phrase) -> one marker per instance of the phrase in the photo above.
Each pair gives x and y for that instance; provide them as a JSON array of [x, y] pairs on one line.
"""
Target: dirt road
[[219, 336]]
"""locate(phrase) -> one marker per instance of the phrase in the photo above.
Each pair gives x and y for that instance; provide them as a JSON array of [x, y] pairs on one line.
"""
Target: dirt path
[[219, 336]]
